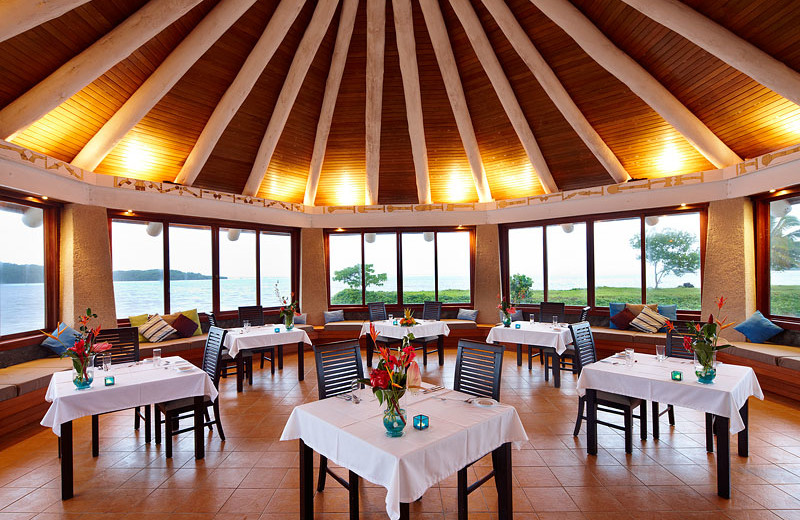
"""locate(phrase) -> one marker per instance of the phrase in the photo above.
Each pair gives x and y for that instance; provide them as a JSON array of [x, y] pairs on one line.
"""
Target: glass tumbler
[[629, 357], [157, 357], [661, 351], [106, 362]]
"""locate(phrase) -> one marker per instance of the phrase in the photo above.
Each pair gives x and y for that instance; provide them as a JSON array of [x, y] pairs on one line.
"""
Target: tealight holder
[[421, 422], [394, 322], [516, 325], [109, 380], [677, 375], [277, 329]]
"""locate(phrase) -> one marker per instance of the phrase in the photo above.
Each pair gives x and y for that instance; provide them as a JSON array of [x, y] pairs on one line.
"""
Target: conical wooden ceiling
[[399, 101]]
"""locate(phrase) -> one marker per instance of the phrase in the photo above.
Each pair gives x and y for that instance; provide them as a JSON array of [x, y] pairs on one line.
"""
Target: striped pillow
[[648, 321], [156, 329]]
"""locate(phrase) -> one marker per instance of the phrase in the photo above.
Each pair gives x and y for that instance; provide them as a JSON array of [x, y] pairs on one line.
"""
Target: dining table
[[134, 384], [238, 339], [351, 434], [392, 329], [555, 338], [651, 379]]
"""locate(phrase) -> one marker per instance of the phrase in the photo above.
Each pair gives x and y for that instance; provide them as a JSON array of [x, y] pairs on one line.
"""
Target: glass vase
[[83, 373], [394, 422], [705, 370], [506, 320], [288, 321]]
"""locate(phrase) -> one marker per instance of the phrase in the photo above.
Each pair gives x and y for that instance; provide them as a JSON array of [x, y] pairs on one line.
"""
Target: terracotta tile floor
[[254, 476]]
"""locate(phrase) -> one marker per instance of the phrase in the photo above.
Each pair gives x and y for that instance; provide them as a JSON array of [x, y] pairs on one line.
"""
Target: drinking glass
[[661, 351], [106, 362], [157, 357], [533, 319], [555, 321], [246, 325], [629, 357], [391, 318]]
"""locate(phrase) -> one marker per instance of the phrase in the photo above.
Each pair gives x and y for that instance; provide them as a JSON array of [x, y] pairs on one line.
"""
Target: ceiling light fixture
[[568, 227], [651, 221], [233, 234], [683, 204], [670, 159], [369, 238], [428, 236], [45, 197], [154, 228]]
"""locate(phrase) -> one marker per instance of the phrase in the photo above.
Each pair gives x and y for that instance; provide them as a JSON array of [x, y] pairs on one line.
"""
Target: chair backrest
[[675, 346], [252, 313], [478, 369], [432, 311], [124, 344], [549, 309], [212, 320], [212, 354], [583, 341], [338, 364], [584, 314], [377, 311]]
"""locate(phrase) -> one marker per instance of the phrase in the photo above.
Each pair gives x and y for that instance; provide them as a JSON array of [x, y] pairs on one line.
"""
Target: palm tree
[[784, 240]]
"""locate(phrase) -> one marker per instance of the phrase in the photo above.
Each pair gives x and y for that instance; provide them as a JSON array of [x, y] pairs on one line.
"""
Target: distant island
[[31, 273], [21, 273]]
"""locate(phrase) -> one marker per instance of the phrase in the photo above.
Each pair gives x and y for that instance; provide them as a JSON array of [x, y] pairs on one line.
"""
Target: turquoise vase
[[506, 320], [393, 422], [83, 373], [705, 372], [289, 321]]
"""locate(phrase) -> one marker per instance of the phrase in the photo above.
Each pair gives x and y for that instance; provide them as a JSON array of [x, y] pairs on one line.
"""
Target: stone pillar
[[313, 278], [730, 265], [487, 272], [86, 279]]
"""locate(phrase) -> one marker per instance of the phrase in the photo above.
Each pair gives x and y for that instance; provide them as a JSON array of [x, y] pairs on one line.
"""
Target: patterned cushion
[[184, 326], [648, 320], [156, 329], [622, 320], [467, 314]]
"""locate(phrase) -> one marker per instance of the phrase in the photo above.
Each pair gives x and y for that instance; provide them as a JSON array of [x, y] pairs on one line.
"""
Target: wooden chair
[[478, 370], [377, 312], [338, 364], [178, 409], [430, 311], [546, 312], [255, 315], [585, 354], [584, 315], [229, 363], [567, 358]]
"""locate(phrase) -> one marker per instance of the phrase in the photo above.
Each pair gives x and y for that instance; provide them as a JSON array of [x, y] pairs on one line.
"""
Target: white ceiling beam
[[455, 93], [483, 49], [343, 35], [722, 43], [172, 69], [90, 64], [376, 42], [237, 92], [552, 86], [407, 52], [17, 16], [636, 78], [303, 56]]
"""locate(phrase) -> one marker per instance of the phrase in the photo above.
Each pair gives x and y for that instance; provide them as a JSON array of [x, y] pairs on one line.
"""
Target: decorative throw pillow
[[331, 316], [636, 308], [648, 320], [668, 311], [615, 308], [67, 338], [156, 329], [758, 328], [622, 320], [138, 321], [515, 316], [300, 320], [467, 314], [184, 326], [192, 315]]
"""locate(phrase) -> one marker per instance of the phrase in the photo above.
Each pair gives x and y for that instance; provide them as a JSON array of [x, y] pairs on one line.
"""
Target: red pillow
[[621, 319], [185, 326]]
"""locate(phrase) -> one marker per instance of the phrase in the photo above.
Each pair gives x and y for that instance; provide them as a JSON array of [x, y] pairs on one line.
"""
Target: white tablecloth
[[422, 329], [353, 437], [263, 336], [135, 385], [539, 334], [651, 380]]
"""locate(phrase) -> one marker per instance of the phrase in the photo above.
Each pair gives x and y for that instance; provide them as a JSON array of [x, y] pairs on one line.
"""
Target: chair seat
[[186, 403], [624, 400], [426, 339], [385, 339]]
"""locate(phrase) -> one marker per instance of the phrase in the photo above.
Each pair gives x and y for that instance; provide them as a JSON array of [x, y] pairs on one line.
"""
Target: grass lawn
[[784, 300]]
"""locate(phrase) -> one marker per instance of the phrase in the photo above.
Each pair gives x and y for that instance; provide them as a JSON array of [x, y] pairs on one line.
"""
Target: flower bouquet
[[288, 308], [507, 309], [396, 372], [83, 350], [703, 341], [408, 318]]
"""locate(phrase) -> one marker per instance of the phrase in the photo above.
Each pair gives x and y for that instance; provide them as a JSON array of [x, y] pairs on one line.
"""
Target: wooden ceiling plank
[[483, 49], [17, 16], [315, 32], [376, 43], [237, 92], [723, 44], [343, 35], [172, 69], [555, 90], [90, 64], [455, 93], [644, 85]]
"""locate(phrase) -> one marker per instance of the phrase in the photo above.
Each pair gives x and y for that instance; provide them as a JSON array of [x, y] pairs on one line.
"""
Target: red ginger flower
[[379, 379]]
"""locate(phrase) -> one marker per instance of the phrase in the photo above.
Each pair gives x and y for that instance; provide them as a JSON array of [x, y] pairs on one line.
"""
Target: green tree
[[518, 287], [784, 243], [351, 276], [669, 251]]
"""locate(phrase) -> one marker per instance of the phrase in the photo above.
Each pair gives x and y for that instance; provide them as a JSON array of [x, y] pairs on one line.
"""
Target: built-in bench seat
[[355, 325], [30, 376]]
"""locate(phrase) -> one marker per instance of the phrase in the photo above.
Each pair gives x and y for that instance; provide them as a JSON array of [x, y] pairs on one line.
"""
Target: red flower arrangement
[[702, 339], [84, 349]]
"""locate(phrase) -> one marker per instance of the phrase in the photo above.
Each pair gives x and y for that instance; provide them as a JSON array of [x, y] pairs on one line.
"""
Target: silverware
[[346, 397], [433, 389]]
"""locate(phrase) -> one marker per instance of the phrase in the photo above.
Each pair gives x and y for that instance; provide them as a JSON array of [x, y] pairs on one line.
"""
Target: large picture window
[[138, 267], [779, 256], [237, 268], [190, 272]]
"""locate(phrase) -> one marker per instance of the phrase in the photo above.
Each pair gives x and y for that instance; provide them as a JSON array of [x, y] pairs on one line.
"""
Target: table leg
[[656, 425], [519, 355], [743, 435], [501, 460], [370, 350], [240, 372], [721, 425], [199, 426], [352, 493], [95, 435], [404, 514], [301, 364], [280, 357], [556, 369], [66, 461], [530, 357], [440, 349], [591, 422], [306, 481]]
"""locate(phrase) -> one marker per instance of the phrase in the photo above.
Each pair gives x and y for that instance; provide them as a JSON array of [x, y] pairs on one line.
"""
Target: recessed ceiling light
[[683, 204], [773, 190], [339, 229], [45, 197]]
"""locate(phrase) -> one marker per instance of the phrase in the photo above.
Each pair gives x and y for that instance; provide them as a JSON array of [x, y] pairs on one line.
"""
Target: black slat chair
[[585, 354], [229, 363], [546, 312], [175, 411], [584, 315], [430, 311], [478, 370], [255, 315], [338, 364], [377, 312], [567, 358]]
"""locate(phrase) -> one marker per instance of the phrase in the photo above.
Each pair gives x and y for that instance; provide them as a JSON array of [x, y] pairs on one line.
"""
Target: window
[[419, 267], [617, 261], [672, 253], [138, 267], [237, 268], [190, 275], [276, 267], [22, 268], [453, 261], [566, 263], [380, 267], [784, 257], [526, 264], [344, 253]]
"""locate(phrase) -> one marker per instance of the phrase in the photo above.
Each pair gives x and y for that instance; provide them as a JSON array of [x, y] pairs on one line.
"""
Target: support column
[[487, 272], [313, 278]]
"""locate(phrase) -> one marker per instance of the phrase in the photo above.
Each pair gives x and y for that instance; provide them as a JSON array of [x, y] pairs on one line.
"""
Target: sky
[[13, 231]]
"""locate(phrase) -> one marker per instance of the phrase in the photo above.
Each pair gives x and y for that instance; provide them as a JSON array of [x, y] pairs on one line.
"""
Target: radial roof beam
[[455, 93], [17, 16], [407, 52], [87, 66], [237, 92], [315, 32], [723, 44], [552, 86], [172, 69], [343, 35], [624, 68], [483, 49], [376, 43]]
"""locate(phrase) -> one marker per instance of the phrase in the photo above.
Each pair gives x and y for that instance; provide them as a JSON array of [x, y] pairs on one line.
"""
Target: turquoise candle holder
[[421, 422], [516, 325], [677, 375], [277, 330], [109, 380]]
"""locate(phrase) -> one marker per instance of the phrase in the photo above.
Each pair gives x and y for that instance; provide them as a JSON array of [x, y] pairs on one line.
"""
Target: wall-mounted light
[[651, 221], [233, 234], [683, 204], [32, 217], [339, 230], [428, 236], [369, 238], [773, 190], [154, 228], [45, 197], [568, 227]]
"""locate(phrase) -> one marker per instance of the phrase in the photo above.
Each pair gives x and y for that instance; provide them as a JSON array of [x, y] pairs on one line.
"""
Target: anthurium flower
[[414, 378]]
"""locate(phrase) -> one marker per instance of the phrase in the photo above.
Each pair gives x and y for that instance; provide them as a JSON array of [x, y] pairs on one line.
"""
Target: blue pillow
[[331, 316], [757, 328], [467, 314], [515, 316], [670, 312], [68, 337], [300, 320], [613, 309]]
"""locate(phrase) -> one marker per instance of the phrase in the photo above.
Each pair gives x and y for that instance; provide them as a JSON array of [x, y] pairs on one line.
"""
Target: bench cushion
[[346, 325], [30, 376], [460, 324], [761, 352], [621, 337], [173, 346], [790, 362], [7, 392]]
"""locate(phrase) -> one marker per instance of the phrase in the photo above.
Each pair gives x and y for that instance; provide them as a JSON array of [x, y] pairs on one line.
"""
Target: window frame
[[589, 220], [215, 225], [328, 232]]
